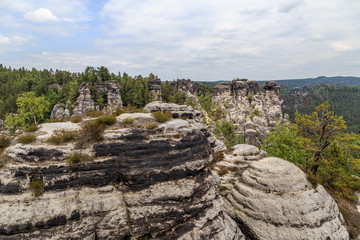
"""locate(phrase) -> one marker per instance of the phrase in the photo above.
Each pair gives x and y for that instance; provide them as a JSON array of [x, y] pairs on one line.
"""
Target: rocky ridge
[[251, 111], [147, 183]]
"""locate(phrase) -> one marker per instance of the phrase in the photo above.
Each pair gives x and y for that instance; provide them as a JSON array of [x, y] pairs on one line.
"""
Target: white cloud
[[341, 47], [41, 15], [4, 40]]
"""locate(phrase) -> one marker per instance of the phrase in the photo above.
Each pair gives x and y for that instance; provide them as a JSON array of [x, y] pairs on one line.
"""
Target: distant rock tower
[[155, 89], [251, 111]]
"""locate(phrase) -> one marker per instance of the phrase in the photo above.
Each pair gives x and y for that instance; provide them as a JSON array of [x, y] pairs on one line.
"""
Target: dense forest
[[342, 98]]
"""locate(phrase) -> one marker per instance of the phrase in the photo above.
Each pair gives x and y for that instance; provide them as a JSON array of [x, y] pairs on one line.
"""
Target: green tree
[[320, 128], [31, 109], [283, 142]]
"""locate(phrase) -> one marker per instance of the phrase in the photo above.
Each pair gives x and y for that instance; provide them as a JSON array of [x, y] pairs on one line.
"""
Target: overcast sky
[[197, 39]]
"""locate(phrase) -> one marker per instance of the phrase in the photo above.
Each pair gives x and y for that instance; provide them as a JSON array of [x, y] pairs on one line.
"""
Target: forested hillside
[[343, 99], [62, 86]]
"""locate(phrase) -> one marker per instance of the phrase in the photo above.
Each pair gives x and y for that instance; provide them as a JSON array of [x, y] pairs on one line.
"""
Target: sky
[[203, 40]]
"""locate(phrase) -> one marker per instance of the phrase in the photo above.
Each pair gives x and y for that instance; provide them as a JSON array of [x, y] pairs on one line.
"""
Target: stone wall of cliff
[[149, 183]]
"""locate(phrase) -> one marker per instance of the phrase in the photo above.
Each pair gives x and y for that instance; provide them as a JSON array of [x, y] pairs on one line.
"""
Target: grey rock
[[274, 200], [177, 111], [84, 101], [141, 184], [251, 111], [59, 112], [155, 89]]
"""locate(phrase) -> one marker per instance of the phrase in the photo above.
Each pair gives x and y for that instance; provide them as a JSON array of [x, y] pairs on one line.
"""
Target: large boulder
[[274, 200]]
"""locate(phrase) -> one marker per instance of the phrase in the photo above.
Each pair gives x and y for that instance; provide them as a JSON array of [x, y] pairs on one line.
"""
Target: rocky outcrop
[[177, 111], [141, 183], [191, 89], [300, 91], [233, 163], [251, 111], [113, 95], [60, 112], [186, 85], [274, 200], [155, 89], [84, 102]]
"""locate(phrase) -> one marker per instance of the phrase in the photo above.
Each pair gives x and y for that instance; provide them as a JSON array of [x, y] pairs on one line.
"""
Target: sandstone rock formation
[[274, 200], [85, 102], [59, 112], [177, 111], [155, 89], [113, 95], [191, 89], [142, 183], [233, 163], [300, 91], [251, 111]]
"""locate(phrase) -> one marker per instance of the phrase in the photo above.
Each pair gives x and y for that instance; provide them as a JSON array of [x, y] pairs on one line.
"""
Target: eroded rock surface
[[177, 111], [274, 200], [253, 112], [60, 112], [147, 183]]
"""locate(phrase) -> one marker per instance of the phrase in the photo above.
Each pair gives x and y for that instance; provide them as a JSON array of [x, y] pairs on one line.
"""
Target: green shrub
[[106, 119], [94, 113], [250, 97], [119, 111], [4, 141], [62, 136], [37, 187], [76, 158], [91, 131], [128, 121], [256, 112], [162, 117], [152, 125], [76, 119], [27, 138], [31, 128]]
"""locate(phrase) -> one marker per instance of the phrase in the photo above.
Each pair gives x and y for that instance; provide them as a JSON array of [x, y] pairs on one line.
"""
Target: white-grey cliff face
[[251, 111]]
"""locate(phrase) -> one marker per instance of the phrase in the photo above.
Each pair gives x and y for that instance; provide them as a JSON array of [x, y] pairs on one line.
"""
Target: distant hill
[[312, 82]]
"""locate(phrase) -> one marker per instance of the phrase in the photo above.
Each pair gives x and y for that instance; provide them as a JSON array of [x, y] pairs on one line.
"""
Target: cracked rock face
[[274, 200], [152, 184], [253, 112]]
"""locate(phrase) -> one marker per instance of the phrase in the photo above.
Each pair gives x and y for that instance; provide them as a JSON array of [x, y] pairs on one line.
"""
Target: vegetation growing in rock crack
[[76, 158], [37, 187]]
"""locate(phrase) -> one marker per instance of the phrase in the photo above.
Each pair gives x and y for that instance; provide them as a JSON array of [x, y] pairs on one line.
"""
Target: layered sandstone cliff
[[271, 198], [141, 183]]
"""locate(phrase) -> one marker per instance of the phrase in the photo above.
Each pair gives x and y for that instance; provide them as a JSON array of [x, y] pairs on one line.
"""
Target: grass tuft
[[27, 138]]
